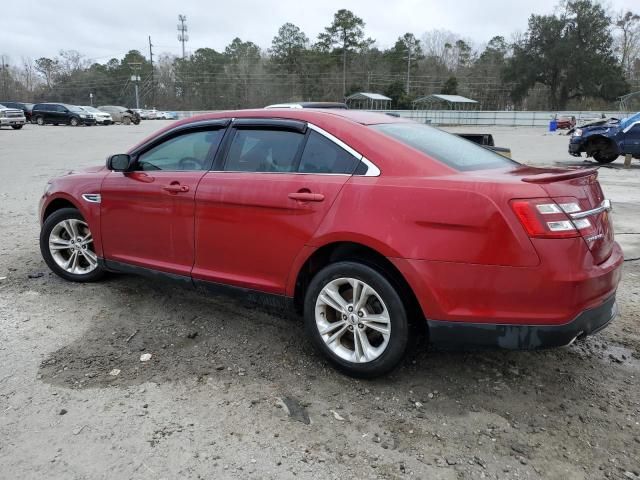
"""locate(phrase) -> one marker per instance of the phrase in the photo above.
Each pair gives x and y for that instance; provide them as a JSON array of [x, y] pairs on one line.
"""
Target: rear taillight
[[550, 218]]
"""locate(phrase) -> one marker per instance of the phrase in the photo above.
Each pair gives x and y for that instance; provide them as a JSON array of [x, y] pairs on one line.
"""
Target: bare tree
[[628, 42]]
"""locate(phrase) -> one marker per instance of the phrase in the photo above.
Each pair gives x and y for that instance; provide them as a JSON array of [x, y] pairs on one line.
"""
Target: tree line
[[579, 57]]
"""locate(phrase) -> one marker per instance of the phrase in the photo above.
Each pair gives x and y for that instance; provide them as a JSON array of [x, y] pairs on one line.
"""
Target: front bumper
[[10, 121], [523, 337], [575, 148]]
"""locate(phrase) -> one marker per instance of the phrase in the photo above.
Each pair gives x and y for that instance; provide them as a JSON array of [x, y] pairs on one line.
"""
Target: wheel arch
[[594, 140], [56, 204], [359, 252]]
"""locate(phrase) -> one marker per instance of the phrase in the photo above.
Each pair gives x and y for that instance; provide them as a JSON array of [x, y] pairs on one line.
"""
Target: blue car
[[606, 140]]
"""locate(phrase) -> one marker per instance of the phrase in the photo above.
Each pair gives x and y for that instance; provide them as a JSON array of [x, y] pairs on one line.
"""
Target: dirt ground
[[233, 391]]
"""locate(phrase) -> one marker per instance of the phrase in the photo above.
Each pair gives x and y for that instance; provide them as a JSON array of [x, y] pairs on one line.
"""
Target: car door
[[147, 214], [265, 202], [631, 140]]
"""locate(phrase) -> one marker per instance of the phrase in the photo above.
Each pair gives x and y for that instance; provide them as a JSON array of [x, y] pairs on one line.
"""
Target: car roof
[[338, 105], [361, 117]]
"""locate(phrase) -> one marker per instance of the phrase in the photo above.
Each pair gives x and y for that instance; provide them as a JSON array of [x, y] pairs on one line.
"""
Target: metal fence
[[498, 118], [482, 117]]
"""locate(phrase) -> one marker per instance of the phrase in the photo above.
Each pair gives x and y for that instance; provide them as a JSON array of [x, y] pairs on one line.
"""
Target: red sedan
[[366, 224]]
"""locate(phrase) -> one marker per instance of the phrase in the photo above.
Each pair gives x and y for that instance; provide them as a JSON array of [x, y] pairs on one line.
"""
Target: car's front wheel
[[356, 318], [66, 244], [74, 122], [40, 120], [601, 157], [16, 127]]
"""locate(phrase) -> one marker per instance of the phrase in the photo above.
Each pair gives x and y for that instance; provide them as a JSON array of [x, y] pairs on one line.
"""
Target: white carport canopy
[[372, 101], [457, 102]]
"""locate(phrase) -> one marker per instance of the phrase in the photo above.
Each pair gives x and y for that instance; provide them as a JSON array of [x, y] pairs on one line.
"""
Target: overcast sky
[[107, 29]]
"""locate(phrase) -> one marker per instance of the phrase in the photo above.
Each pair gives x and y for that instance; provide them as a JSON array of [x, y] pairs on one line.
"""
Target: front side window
[[321, 155], [190, 151], [263, 151], [451, 150]]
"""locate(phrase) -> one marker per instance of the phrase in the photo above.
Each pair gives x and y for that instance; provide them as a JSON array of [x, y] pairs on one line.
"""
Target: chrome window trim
[[92, 197], [629, 127], [604, 206], [372, 169]]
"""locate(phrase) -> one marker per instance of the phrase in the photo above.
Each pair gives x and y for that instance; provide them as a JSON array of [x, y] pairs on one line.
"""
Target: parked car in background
[[25, 107], [605, 140], [146, 114], [565, 123], [167, 116], [122, 115], [11, 117], [102, 118], [325, 211], [61, 114]]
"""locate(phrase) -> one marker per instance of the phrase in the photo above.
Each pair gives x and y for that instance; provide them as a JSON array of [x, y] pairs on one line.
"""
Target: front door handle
[[176, 188], [307, 197]]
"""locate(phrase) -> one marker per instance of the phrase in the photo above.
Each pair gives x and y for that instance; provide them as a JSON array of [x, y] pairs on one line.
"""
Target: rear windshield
[[450, 149]]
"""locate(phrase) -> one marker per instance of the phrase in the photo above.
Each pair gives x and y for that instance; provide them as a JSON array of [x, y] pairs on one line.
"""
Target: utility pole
[[182, 32], [153, 85], [409, 70], [4, 77], [135, 78]]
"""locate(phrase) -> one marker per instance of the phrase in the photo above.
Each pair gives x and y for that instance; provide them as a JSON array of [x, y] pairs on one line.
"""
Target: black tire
[[74, 122], [52, 220], [17, 127], [399, 322], [126, 120], [40, 120], [601, 157]]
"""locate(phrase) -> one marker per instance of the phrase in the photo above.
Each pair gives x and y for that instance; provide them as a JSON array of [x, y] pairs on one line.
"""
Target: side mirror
[[120, 162]]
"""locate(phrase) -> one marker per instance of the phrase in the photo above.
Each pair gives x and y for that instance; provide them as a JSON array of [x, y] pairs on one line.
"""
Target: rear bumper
[[523, 337]]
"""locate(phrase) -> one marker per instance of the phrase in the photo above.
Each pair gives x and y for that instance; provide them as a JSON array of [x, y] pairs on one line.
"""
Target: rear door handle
[[176, 188], [306, 197]]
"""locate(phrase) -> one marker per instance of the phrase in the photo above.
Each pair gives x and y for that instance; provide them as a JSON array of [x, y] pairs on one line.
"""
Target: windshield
[[73, 108], [92, 109], [450, 149]]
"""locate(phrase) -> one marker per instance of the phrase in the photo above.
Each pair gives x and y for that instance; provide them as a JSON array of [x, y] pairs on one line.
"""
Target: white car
[[102, 118], [12, 117]]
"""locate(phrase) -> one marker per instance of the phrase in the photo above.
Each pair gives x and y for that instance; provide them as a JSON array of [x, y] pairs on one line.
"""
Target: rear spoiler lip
[[561, 175]]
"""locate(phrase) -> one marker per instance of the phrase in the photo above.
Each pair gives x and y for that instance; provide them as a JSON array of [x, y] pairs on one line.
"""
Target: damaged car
[[606, 141]]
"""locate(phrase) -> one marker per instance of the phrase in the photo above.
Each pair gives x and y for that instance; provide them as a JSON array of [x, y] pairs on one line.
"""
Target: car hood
[[94, 169]]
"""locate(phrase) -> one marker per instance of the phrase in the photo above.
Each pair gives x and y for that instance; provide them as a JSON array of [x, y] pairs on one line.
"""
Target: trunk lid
[[581, 185]]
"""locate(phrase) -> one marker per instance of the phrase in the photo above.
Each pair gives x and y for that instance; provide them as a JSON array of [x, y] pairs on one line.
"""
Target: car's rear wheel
[[126, 120], [40, 120], [74, 122], [356, 318], [604, 157], [16, 127], [66, 244]]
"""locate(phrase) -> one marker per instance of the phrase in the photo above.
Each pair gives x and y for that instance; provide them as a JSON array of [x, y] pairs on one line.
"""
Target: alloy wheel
[[353, 320], [71, 246]]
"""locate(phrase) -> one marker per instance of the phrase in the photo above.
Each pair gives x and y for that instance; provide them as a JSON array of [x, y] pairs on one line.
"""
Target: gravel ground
[[233, 391]]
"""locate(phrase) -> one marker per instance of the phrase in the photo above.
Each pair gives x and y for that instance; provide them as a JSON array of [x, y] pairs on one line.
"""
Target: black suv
[[61, 113], [25, 107]]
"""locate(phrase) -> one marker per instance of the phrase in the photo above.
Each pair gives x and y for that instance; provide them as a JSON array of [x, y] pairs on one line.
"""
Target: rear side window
[[263, 151], [321, 155], [451, 150]]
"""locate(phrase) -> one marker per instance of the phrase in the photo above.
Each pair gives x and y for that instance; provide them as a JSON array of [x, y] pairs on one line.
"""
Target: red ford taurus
[[365, 223]]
